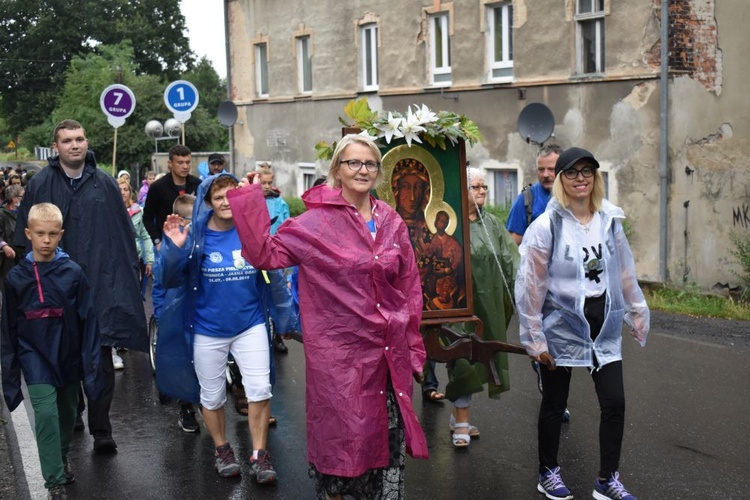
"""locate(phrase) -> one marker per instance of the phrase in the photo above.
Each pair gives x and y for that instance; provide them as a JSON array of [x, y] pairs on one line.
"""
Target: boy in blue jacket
[[51, 336]]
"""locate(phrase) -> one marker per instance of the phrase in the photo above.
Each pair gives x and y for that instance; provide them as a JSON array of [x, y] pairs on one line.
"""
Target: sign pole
[[114, 154], [117, 102]]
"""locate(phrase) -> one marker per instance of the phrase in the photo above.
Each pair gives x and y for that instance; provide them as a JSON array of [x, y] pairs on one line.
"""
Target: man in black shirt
[[162, 193]]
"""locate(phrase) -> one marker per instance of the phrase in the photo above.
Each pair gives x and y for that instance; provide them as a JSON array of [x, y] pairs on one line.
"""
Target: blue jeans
[[430, 377]]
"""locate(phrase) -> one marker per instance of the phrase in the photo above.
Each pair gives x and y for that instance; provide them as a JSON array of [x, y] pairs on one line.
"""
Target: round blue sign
[[181, 97]]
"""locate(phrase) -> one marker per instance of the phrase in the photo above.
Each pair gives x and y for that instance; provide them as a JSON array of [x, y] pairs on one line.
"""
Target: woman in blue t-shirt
[[224, 293]]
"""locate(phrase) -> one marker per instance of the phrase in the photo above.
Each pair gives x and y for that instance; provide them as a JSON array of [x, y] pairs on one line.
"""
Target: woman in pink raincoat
[[361, 305]]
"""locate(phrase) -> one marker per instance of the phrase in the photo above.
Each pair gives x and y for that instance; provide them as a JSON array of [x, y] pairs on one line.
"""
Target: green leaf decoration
[[324, 151], [359, 111], [440, 127]]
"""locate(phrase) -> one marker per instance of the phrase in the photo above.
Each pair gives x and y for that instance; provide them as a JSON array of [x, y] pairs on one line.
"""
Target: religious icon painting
[[427, 187]]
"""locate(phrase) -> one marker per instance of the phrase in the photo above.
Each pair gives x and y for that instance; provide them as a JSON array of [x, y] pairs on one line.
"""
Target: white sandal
[[473, 431], [461, 440]]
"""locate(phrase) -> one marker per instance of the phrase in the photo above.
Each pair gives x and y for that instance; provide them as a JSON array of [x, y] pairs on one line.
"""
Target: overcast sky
[[205, 24]]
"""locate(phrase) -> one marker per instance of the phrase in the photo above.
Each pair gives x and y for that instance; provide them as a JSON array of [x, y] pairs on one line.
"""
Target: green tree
[[203, 132], [88, 76], [40, 38], [85, 80]]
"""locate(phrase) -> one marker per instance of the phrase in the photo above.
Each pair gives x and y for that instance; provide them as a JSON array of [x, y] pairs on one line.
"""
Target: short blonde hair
[[595, 199], [183, 205], [348, 140], [264, 169], [45, 212]]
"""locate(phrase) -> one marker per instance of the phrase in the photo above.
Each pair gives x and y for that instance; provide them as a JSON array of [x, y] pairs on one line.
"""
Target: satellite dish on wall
[[536, 123], [227, 113]]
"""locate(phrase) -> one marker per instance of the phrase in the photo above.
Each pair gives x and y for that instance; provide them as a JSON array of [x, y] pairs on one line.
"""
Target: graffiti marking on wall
[[741, 216]]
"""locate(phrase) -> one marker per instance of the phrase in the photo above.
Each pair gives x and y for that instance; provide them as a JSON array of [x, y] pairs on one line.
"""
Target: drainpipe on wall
[[232, 162], [664, 137]]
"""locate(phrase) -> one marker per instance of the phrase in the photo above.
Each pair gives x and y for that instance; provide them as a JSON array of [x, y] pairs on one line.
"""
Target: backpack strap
[[528, 203]]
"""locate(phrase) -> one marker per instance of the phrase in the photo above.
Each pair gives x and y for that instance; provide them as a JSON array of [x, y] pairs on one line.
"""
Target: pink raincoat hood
[[361, 305]]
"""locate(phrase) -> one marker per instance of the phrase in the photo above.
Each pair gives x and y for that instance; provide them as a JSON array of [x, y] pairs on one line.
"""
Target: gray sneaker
[[226, 464], [261, 469], [57, 493]]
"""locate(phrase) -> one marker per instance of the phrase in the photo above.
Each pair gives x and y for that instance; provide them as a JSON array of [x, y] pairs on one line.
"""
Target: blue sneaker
[[551, 484], [611, 489]]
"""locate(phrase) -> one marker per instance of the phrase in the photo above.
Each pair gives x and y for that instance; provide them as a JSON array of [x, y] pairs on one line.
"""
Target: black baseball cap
[[571, 156], [215, 158]]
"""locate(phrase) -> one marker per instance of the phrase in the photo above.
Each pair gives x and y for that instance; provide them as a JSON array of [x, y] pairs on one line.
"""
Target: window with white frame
[[369, 55], [304, 65], [500, 41], [589, 19], [261, 69], [503, 186], [440, 49], [306, 177]]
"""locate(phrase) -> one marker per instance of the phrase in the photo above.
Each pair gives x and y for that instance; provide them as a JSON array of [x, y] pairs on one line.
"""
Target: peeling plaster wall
[[710, 137]]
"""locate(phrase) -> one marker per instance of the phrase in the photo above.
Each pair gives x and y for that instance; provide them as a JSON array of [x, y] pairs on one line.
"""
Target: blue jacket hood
[[59, 254]]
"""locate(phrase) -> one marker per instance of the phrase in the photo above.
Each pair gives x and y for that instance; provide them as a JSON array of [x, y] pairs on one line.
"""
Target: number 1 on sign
[[181, 91]]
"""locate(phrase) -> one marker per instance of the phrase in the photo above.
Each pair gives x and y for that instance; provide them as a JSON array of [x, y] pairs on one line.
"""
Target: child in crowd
[[51, 336], [278, 210], [145, 184], [170, 383]]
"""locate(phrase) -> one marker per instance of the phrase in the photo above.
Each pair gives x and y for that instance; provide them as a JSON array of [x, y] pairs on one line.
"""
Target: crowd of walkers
[[79, 248]]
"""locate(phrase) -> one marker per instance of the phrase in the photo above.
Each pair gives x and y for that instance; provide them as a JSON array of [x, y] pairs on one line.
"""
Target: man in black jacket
[[162, 193], [100, 238]]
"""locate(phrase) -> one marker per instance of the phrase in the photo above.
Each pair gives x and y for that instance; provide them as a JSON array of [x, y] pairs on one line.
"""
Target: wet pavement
[[686, 433]]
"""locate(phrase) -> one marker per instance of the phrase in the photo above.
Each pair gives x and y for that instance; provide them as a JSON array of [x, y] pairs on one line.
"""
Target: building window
[[503, 187], [304, 65], [589, 19], [500, 41], [369, 48], [307, 177], [261, 69], [440, 50]]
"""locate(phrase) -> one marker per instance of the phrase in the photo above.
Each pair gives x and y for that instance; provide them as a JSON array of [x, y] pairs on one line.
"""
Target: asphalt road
[[686, 432]]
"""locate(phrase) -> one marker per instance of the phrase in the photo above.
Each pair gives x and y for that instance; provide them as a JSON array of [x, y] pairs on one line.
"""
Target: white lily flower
[[367, 135], [424, 115], [411, 127], [390, 129]]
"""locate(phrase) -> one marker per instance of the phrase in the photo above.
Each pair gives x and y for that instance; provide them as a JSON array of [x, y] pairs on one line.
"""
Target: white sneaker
[[117, 360]]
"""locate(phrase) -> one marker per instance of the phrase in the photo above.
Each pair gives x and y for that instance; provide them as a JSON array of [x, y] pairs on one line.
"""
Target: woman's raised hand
[[173, 230]]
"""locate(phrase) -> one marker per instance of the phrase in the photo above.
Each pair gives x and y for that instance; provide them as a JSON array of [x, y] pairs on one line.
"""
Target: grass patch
[[692, 302]]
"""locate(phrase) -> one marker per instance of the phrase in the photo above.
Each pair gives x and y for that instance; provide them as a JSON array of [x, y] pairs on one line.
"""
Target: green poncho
[[492, 304]]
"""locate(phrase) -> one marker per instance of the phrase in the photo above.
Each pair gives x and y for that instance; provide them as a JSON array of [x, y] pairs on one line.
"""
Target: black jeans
[[608, 381], [99, 423]]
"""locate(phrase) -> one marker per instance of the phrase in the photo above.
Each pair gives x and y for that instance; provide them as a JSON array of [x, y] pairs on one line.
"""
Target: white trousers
[[250, 350]]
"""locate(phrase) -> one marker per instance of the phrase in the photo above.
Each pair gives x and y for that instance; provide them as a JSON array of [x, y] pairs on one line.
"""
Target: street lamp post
[[155, 130]]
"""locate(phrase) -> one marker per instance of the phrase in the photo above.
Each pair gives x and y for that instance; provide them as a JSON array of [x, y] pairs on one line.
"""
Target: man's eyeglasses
[[355, 165], [572, 173], [483, 187]]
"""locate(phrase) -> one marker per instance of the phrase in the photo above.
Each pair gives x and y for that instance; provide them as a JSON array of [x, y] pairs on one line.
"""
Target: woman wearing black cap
[[576, 285]]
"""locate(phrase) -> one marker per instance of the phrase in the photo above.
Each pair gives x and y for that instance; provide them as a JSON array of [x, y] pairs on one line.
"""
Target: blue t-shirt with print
[[517, 217], [228, 302]]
